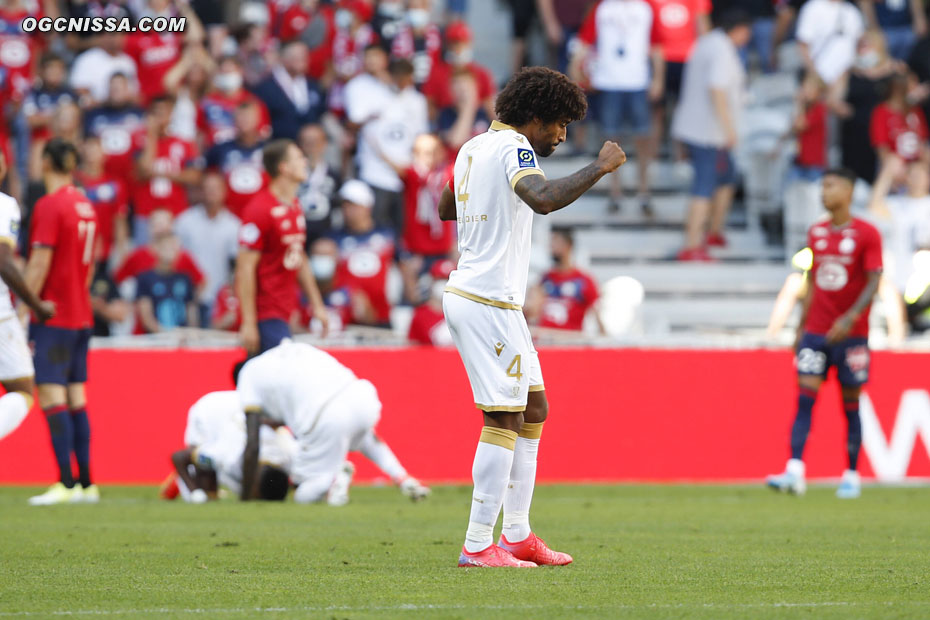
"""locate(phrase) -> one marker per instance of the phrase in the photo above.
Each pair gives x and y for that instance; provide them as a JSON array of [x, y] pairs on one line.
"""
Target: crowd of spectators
[[380, 94]]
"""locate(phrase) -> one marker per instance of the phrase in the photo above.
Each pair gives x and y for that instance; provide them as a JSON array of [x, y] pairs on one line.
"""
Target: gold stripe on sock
[[499, 437], [531, 430]]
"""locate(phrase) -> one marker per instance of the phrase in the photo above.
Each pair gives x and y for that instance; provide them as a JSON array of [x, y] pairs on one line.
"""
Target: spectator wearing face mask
[[324, 257], [428, 325], [318, 195], [419, 40], [240, 158], [215, 113], [854, 98], [164, 296], [292, 99], [458, 54], [390, 121]]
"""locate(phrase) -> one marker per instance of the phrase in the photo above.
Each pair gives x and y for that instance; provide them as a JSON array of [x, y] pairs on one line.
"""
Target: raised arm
[[544, 196]]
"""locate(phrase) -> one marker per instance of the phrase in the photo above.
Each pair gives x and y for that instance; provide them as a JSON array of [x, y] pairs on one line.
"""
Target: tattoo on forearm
[[558, 193]]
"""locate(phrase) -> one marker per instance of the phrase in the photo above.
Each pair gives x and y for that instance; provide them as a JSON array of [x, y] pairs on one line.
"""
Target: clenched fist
[[611, 157]]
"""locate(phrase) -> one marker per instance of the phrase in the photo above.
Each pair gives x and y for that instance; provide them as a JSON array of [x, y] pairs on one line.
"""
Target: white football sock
[[491, 470], [519, 493], [13, 410], [379, 453], [183, 490]]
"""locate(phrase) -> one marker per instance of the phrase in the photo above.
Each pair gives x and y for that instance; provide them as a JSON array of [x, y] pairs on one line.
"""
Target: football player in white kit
[[215, 440], [497, 187], [16, 370], [330, 411]]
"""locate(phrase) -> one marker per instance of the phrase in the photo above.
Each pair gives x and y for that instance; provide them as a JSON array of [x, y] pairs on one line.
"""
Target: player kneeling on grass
[[834, 327], [330, 411], [215, 440], [497, 187]]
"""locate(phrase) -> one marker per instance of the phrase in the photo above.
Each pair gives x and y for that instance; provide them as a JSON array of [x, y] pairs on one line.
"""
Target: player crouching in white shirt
[[215, 440], [330, 411]]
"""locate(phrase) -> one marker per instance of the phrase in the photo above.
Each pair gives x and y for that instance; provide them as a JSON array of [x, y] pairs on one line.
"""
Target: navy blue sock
[[62, 432], [802, 422], [82, 444], [853, 431]]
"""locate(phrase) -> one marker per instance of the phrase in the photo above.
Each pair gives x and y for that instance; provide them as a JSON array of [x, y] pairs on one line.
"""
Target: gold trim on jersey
[[526, 172], [483, 300], [538, 388], [498, 437], [499, 126], [498, 408], [253, 409]]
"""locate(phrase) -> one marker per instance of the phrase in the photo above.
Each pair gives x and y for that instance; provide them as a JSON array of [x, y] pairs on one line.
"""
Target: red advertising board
[[615, 414]]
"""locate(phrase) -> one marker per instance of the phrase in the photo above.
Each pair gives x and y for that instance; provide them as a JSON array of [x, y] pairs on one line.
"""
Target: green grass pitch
[[640, 552]]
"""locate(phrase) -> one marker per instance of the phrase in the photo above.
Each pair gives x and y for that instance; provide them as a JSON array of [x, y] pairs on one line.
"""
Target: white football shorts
[[15, 356], [497, 350]]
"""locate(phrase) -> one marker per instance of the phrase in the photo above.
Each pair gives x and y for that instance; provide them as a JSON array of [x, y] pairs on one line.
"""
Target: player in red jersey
[[834, 327], [272, 261], [60, 268]]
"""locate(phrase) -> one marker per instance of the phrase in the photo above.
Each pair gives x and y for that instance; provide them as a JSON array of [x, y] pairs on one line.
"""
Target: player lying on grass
[[330, 411], [497, 187], [845, 272], [16, 370], [215, 439]]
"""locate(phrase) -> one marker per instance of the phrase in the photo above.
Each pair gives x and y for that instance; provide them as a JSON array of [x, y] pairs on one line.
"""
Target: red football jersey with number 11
[[66, 222], [278, 231], [843, 259]]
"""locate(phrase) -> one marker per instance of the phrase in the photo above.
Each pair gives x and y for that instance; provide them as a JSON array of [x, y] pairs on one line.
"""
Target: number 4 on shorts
[[514, 370]]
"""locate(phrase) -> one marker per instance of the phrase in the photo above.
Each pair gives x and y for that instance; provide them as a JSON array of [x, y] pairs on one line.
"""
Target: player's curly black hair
[[538, 92]]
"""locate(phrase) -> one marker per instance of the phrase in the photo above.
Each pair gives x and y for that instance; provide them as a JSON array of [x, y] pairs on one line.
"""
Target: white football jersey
[[291, 383], [494, 224], [9, 233], [214, 412]]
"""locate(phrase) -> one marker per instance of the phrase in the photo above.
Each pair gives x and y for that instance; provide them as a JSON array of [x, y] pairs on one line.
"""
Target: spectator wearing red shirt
[[165, 167], [144, 257], [240, 159], [18, 49], [810, 129], [217, 108], [566, 293], [834, 328], [352, 37], [428, 325], [59, 270], [273, 261], [109, 197], [899, 127], [426, 239], [418, 40], [365, 256], [458, 54], [155, 53]]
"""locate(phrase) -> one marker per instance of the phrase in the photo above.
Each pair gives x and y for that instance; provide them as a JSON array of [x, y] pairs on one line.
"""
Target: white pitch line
[[443, 607]]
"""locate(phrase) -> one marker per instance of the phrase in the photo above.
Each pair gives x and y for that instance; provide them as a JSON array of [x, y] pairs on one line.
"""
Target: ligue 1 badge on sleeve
[[526, 158]]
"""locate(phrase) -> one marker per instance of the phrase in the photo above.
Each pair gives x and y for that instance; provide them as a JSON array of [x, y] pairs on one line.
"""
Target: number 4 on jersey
[[462, 194]]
